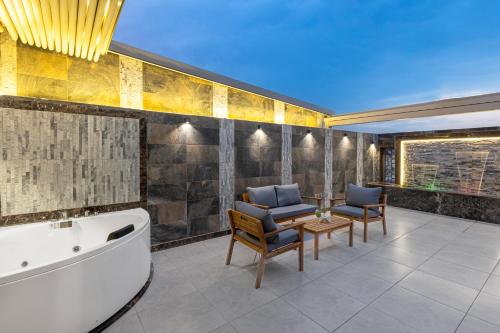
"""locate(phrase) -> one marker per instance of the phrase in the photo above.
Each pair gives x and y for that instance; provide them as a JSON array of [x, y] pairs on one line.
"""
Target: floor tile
[[277, 316], [236, 295], [325, 305], [363, 287], [443, 291], [475, 325], [164, 286], [418, 311], [462, 257], [280, 278], [370, 320], [486, 307], [492, 286], [312, 268], [189, 314], [228, 328], [401, 256], [128, 323], [380, 267], [424, 247], [456, 273]]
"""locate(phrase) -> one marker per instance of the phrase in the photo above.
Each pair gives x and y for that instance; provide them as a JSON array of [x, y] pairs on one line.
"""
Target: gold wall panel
[[94, 83], [169, 91], [295, 115], [42, 87], [247, 106]]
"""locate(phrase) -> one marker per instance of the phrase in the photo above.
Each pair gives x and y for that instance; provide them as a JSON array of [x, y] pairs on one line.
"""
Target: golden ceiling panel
[[79, 28]]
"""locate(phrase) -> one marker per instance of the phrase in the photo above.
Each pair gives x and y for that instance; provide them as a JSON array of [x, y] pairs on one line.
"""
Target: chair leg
[[230, 251], [365, 230], [384, 225], [260, 271], [301, 250]]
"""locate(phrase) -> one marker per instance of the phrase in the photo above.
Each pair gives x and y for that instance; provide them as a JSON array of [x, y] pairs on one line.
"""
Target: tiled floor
[[429, 274]]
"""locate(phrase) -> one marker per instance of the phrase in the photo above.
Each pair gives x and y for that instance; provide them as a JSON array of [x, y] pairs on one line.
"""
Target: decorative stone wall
[[286, 154], [344, 160], [370, 156], [464, 166], [328, 192], [226, 171], [389, 165], [308, 159], [183, 176], [131, 83], [257, 155]]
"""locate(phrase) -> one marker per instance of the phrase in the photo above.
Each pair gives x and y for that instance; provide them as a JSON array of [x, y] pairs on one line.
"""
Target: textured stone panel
[[226, 171], [279, 112], [169, 91], [131, 83], [53, 161], [286, 155], [328, 192], [360, 159], [94, 83], [371, 164], [465, 166], [245, 106]]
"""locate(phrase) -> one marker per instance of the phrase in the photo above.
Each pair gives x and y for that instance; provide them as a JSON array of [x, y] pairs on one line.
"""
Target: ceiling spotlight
[[308, 131]]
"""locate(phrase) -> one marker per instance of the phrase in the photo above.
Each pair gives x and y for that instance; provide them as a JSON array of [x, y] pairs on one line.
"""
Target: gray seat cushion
[[265, 216], [293, 210], [354, 211], [288, 195], [265, 195], [286, 237], [359, 196]]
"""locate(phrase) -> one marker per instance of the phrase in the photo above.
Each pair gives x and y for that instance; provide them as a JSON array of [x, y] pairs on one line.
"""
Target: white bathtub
[[63, 291]]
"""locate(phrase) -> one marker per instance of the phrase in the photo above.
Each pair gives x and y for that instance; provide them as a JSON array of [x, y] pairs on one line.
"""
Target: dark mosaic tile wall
[[344, 160], [308, 159], [183, 176], [257, 155]]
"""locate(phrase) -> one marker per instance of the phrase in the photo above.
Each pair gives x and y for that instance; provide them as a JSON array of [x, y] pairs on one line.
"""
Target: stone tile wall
[[344, 161], [308, 159], [183, 175], [257, 155]]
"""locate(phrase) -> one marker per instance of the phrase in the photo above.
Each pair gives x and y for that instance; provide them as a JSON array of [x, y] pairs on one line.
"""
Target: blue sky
[[344, 55]]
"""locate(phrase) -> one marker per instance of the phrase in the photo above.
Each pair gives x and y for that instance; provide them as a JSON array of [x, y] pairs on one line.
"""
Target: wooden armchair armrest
[[318, 200], [374, 205], [334, 200], [260, 206], [293, 225]]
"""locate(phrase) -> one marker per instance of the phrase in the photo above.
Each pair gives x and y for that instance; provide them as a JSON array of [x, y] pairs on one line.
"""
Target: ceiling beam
[[488, 102]]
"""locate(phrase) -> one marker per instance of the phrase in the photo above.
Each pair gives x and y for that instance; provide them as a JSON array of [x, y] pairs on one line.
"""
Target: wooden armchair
[[250, 232], [366, 214]]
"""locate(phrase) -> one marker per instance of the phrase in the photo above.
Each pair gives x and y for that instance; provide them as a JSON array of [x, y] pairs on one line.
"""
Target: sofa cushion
[[354, 211], [293, 210], [288, 195], [265, 216], [286, 237], [359, 196], [265, 195]]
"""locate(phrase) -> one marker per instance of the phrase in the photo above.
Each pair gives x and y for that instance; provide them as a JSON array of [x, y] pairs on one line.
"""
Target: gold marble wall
[[169, 91], [125, 82], [247, 106], [295, 115]]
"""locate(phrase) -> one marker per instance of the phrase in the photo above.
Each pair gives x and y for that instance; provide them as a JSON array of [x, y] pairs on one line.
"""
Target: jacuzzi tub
[[45, 286]]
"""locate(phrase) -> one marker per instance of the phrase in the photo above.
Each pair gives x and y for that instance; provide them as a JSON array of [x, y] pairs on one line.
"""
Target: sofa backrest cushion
[[288, 195], [265, 195], [262, 214], [359, 196]]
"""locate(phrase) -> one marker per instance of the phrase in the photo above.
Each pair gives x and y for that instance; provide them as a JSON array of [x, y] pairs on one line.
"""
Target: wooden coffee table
[[317, 228]]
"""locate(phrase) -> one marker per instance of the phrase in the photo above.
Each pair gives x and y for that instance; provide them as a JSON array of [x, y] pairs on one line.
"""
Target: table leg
[[316, 246], [329, 235], [350, 233]]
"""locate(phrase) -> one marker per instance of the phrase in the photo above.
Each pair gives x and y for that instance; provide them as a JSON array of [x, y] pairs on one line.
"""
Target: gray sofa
[[284, 202]]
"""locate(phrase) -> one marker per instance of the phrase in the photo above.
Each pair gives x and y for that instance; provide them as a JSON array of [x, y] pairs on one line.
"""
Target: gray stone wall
[[344, 160], [183, 175], [371, 162], [257, 155], [308, 159], [54, 161], [464, 166]]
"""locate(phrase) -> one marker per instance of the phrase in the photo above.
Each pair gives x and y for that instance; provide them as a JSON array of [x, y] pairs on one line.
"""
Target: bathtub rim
[[95, 251]]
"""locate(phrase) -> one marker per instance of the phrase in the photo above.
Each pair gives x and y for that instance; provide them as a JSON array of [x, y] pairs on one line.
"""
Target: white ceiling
[[455, 121]]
